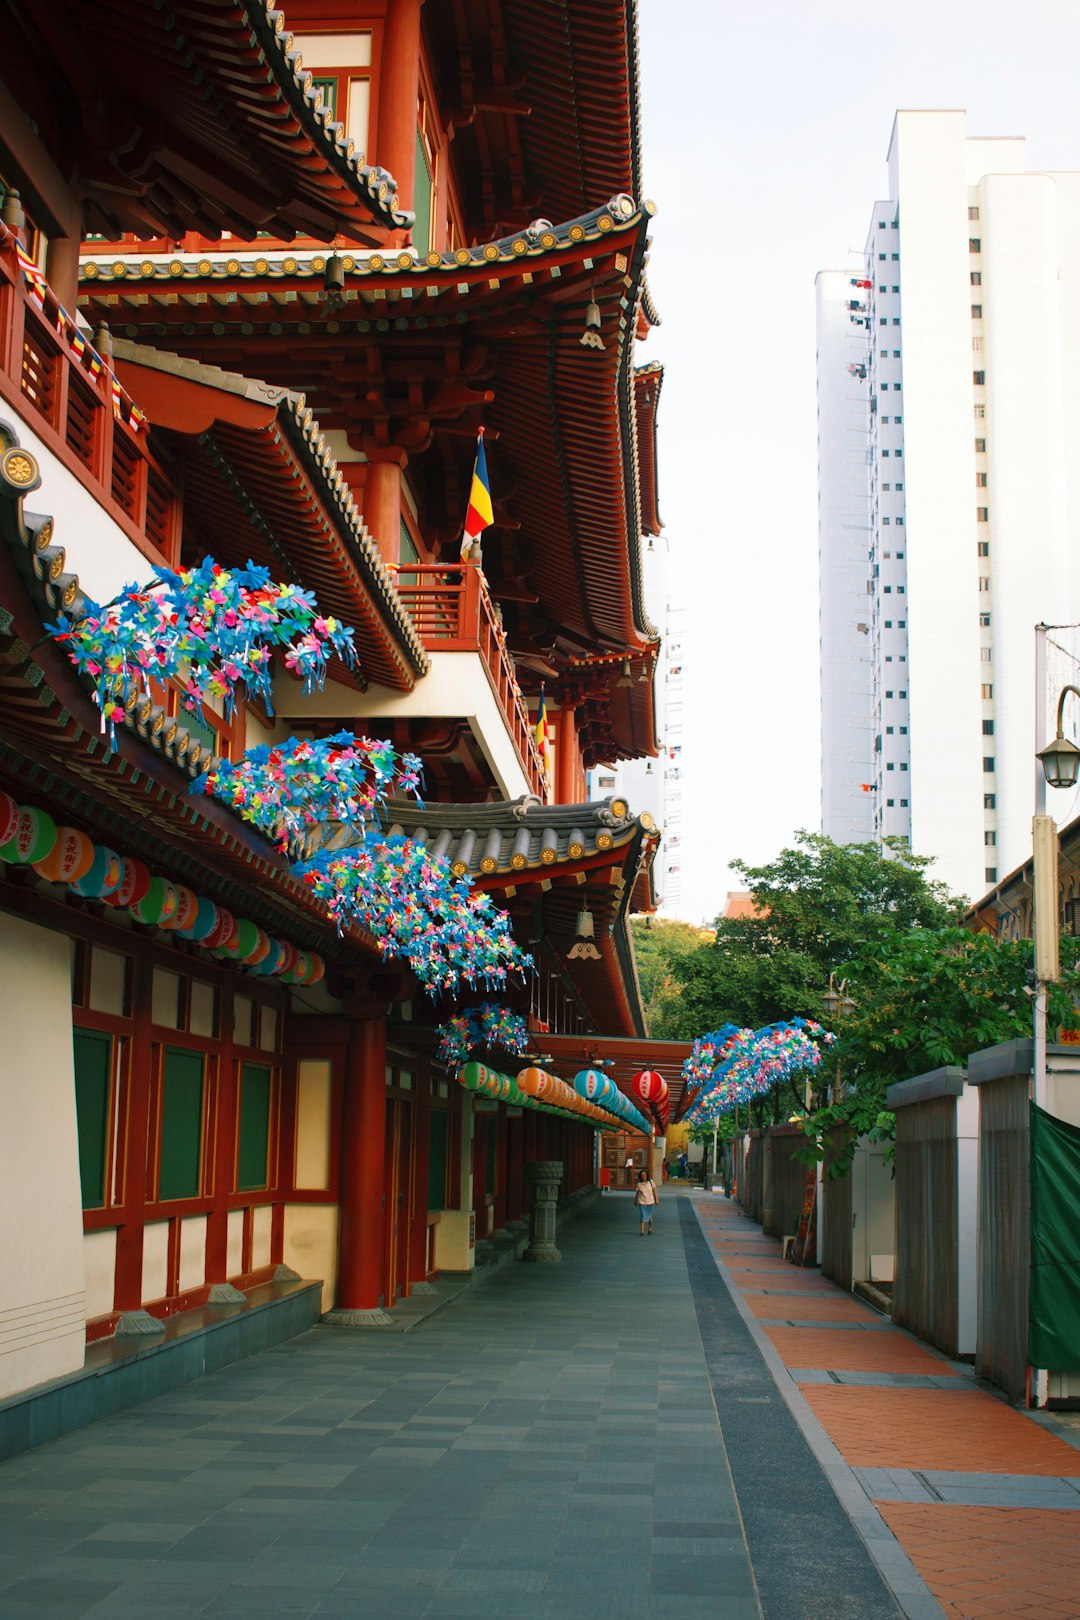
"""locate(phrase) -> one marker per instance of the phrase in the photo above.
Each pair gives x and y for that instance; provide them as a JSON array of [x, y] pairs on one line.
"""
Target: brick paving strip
[[982, 1500]]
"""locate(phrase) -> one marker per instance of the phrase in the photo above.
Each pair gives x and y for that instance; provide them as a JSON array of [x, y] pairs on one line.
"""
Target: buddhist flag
[[480, 512], [541, 725]]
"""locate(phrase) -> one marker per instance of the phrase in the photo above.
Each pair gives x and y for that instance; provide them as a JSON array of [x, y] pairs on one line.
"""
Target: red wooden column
[[421, 1146], [361, 1209], [382, 501], [500, 1123], [217, 1221], [516, 1201], [127, 1297], [399, 95]]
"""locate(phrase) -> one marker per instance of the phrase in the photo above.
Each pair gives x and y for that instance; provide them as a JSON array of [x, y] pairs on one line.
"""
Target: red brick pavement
[[979, 1562]]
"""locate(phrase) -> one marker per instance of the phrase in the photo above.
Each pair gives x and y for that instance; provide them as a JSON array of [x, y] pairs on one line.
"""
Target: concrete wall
[[42, 1285]]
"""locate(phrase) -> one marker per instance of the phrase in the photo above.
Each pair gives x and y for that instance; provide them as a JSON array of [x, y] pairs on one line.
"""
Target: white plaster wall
[[843, 563], [155, 1267], [99, 1266], [234, 1243], [42, 1286], [1034, 576], [928, 166], [456, 686], [192, 1251], [260, 1236], [313, 1099], [311, 1238], [97, 549]]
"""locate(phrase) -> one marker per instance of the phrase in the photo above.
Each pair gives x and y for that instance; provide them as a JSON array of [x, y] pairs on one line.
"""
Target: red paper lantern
[[650, 1086], [9, 817], [134, 884]]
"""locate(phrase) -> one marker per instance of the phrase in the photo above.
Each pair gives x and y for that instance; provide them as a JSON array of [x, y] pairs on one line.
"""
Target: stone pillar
[[544, 1177]]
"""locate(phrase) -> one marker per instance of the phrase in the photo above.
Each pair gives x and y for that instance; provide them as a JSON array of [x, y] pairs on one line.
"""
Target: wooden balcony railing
[[453, 612], [55, 380]]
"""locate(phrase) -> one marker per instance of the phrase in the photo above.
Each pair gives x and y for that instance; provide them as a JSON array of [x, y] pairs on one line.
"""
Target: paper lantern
[[532, 1081], [302, 969], [103, 878], [260, 949], [472, 1076], [247, 938], [187, 909], [288, 958], [134, 883], [649, 1086], [71, 857], [273, 958], [202, 925], [316, 968], [221, 932], [34, 837], [170, 900], [590, 1083], [9, 818], [148, 910]]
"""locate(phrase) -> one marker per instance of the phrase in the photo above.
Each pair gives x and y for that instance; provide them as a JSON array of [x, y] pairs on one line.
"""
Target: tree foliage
[[659, 944], [819, 904]]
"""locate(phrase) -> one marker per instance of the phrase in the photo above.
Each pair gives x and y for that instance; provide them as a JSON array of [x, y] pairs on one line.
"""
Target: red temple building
[[263, 281]]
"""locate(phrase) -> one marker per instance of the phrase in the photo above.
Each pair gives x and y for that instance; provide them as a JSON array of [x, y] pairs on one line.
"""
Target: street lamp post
[[1060, 761]]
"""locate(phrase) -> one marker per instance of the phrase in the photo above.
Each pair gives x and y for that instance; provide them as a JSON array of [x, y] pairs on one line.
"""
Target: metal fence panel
[[1004, 1217], [927, 1268]]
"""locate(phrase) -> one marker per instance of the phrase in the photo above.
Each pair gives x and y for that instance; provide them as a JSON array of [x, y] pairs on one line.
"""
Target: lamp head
[[1060, 761]]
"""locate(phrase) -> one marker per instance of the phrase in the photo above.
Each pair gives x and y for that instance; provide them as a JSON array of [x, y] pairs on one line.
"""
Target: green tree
[[818, 905], [925, 998], [659, 944]]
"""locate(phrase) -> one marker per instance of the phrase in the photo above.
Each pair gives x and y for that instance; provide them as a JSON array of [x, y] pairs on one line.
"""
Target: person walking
[[646, 1200]]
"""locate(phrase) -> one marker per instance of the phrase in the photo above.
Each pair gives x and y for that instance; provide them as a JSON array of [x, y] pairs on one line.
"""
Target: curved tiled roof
[[648, 381], [522, 836], [213, 123]]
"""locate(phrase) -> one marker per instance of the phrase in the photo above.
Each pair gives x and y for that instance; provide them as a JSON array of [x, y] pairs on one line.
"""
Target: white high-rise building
[[970, 337]]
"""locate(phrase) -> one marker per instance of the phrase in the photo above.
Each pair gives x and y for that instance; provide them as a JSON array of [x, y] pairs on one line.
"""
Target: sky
[[765, 131]]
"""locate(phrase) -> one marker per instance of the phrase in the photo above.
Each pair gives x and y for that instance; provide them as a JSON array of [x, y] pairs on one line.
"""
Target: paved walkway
[[548, 1447], [984, 1499]]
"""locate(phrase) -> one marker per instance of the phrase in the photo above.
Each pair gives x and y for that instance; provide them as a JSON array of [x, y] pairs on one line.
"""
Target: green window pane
[[254, 1126], [422, 188], [181, 1125], [93, 1079], [436, 1181], [328, 86]]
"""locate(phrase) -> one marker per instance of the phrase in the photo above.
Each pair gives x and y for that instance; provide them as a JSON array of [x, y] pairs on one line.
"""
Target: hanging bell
[[334, 281], [590, 338]]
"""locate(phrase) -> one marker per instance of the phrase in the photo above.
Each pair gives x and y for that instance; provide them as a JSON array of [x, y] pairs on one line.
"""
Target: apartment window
[[974, 244], [988, 762], [900, 520], [988, 728], [884, 452], [888, 624], [896, 320], [901, 624], [903, 694], [990, 840], [976, 345], [984, 620], [881, 255], [895, 225], [903, 766], [987, 690], [882, 321], [886, 487], [889, 730], [976, 312], [989, 801], [881, 224], [973, 213], [898, 420], [903, 731], [991, 874], [983, 514], [885, 390], [896, 255], [888, 694], [899, 452], [980, 480], [980, 447], [980, 412], [890, 766], [899, 486], [890, 803], [978, 378], [976, 278], [896, 351], [903, 804], [986, 655], [984, 548], [984, 583]]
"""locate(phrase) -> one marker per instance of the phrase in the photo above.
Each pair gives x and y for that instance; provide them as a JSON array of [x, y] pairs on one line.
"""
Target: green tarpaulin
[[1054, 1299]]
